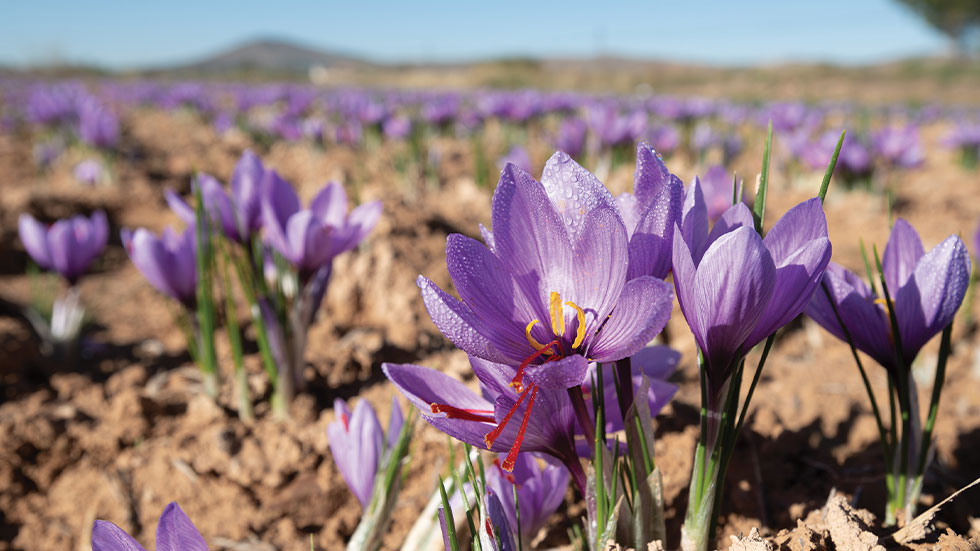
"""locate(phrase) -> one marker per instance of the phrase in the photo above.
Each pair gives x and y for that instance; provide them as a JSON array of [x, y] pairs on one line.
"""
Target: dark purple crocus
[[239, 215], [540, 491], [650, 214], [357, 444], [168, 262], [736, 288], [926, 288], [68, 246], [175, 532], [310, 238]]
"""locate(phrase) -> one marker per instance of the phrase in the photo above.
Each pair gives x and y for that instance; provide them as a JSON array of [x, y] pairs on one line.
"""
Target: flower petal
[[574, 192], [176, 532], [34, 236], [106, 536], [694, 221], [565, 373], [641, 313], [600, 264], [457, 322], [735, 216], [902, 254]]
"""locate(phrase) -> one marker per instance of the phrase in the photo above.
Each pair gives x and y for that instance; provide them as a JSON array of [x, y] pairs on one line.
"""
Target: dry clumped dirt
[[128, 429]]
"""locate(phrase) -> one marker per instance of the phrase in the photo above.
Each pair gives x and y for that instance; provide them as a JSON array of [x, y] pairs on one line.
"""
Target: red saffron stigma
[[508, 464], [510, 478], [492, 435], [480, 415], [516, 381], [343, 417], [488, 527]]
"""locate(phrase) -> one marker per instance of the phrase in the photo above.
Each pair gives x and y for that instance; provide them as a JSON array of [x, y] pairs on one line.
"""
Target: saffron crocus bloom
[[68, 246], [175, 532], [88, 172], [926, 289], [357, 444], [310, 238], [899, 146], [650, 214], [168, 262], [517, 156], [540, 491], [736, 288], [240, 215], [555, 273]]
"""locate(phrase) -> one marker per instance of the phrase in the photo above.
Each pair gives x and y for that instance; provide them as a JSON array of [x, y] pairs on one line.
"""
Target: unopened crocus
[[168, 262], [735, 287], [926, 288], [175, 532], [540, 491], [650, 214], [357, 444], [68, 246]]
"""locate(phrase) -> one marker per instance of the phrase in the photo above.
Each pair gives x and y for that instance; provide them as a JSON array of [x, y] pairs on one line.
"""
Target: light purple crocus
[[88, 172], [168, 262], [540, 491], [175, 532], [517, 156], [310, 238], [571, 136], [736, 288], [239, 215], [357, 444], [926, 289], [650, 214], [68, 246], [717, 186], [899, 146]]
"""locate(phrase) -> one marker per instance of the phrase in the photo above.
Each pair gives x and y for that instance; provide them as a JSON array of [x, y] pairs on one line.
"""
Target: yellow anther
[[557, 315], [580, 331], [882, 302], [534, 342]]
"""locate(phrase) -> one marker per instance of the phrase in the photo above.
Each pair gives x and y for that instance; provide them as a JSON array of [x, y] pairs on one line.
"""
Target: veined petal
[[531, 239], [106, 536], [694, 221], [735, 216], [176, 532], [796, 281], [641, 313], [651, 176], [652, 239], [330, 204], [574, 192], [601, 261], [929, 301], [565, 373], [491, 294], [902, 254], [733, 285], [800, 225], [457, 322], [684, 271]]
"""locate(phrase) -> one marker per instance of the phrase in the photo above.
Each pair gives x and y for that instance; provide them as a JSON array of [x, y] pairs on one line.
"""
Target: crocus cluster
[[918, 295]]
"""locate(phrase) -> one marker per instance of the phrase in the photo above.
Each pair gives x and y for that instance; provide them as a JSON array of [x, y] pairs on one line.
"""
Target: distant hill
[[264, 57]]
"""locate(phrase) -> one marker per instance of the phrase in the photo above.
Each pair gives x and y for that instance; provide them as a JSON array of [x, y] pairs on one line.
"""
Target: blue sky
[[134, 33]]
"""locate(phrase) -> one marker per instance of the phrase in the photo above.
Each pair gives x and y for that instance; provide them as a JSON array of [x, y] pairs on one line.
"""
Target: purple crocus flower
[[736, 288], [239, 215], [899, 146], [397, 127], [540, 491], [168, 262], [88, 172], [650, 214], [357, 444], [717, 188], [496, 533], [310, 238], [175, 532], [926, 288], [571, 136], [68, 246]]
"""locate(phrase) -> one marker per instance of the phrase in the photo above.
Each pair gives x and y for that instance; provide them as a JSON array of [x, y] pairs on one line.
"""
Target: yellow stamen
[[882, 302], [580, 331], [557, 315], [534, 342]]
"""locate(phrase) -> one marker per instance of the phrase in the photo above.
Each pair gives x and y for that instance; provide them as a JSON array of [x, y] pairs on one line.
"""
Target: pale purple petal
[[246, 188], [574, 192], [565, 373], [34, 236], [457, 322], [694, 221], [641, 313], [179, 206], [652, 239], [651, 176], [395, 422], [736, 216], [176, 532], [902, 254], [600, 264], [106, 536], [803, 223], [330, 204]]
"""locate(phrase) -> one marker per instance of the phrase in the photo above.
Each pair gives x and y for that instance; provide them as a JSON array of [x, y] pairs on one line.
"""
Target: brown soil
[[128, 430]]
